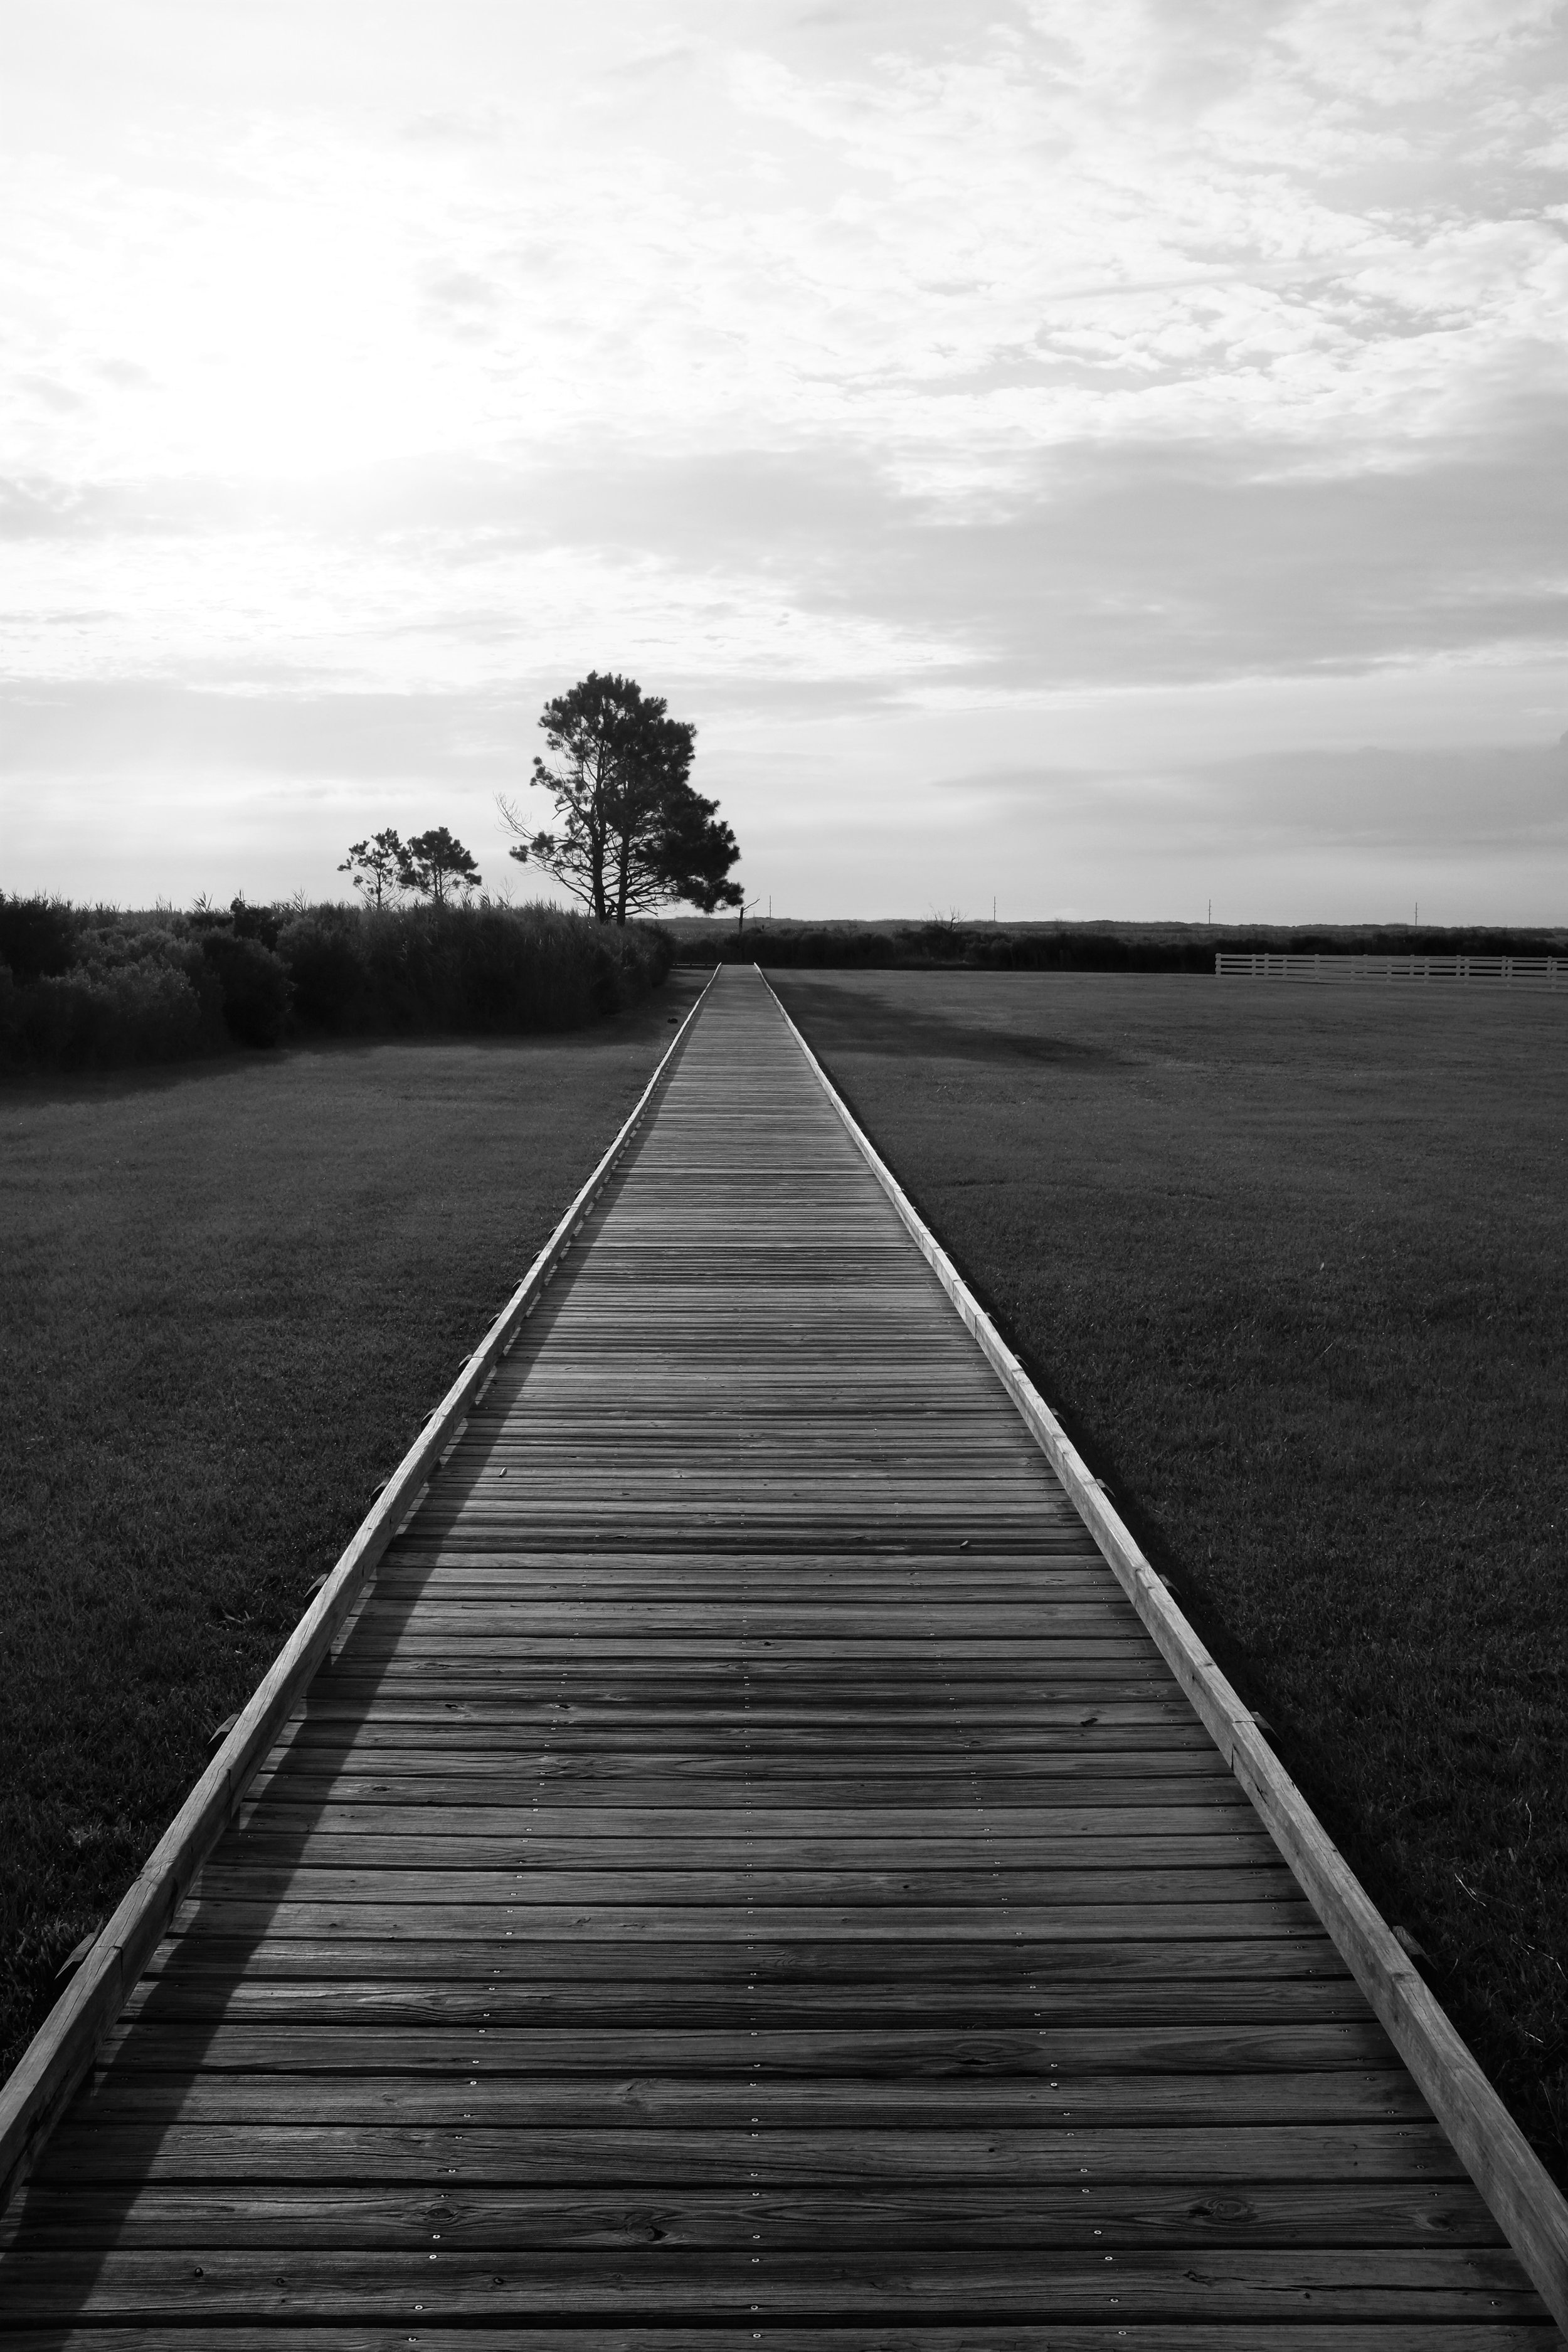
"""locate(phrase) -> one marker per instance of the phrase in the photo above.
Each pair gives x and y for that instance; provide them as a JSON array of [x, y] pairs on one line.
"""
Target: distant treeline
[[94, 987], [923, 947]]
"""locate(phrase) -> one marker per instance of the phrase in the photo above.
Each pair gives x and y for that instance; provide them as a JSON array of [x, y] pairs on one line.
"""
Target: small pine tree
[[375, 867], [435, 865]]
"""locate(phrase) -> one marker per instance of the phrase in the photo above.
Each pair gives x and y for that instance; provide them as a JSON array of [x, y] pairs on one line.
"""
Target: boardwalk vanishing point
[[749, 1877]]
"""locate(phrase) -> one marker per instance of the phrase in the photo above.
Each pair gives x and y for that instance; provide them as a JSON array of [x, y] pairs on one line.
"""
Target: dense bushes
[[917, 945], [255, 986], [95, 989], [101, 1018], [326, 964], [37, 936], [1058, 948], [81, 991], [480, 971]]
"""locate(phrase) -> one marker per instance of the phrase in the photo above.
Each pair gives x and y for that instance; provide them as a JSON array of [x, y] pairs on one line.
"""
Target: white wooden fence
[[1518, 972]]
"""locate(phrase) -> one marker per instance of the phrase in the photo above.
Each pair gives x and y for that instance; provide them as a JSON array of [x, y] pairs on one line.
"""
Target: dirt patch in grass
[[1293, 1265], [233, 1292]]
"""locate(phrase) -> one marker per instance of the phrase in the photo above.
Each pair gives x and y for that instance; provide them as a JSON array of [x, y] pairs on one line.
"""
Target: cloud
[[460, 126], [1131, 564], [1115, 567], [119, 728], [1485, 798], [674, 57]]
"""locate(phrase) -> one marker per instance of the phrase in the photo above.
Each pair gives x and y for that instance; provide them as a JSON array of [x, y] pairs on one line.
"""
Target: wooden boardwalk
[[749, 1877]]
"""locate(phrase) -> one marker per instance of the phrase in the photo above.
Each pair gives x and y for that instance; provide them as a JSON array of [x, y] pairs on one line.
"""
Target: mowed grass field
[[233, 1292], [1292, 1263]]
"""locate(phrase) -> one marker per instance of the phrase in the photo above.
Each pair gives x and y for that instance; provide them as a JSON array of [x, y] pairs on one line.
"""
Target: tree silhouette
[[435, 864], [377, 866], [631, 832]]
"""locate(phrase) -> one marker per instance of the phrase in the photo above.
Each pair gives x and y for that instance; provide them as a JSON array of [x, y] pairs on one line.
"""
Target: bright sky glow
[[1103, 459]]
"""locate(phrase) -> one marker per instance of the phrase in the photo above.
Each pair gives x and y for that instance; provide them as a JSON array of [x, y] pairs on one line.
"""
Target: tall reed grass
[[95, 988]]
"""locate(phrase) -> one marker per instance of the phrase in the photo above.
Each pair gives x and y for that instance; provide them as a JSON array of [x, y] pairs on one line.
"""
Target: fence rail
[[1527, 972]]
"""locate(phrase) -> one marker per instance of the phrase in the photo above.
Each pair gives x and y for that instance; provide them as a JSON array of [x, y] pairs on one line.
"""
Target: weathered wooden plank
[[1044, 1750], [192, 1999], [273, 1851], [587, 2102], [1111, 2216], [647, 2160], [1100, 1775], [757, 1960], [533, 1576], [1066, 1924], [486, 2045], [767, 1828], [657, 2280], [1466, 2332], [730, 1650], [987, 1884]]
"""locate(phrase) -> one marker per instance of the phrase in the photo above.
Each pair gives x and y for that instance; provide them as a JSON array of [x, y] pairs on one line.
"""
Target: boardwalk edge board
[[1523, 2198], [35, 2096]]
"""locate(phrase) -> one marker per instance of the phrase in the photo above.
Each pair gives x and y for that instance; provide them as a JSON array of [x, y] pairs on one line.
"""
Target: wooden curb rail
[[38, 2093], [1511, 2178]]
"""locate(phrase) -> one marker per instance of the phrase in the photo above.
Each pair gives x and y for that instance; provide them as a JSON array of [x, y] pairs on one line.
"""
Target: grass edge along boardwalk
[[743, 1872]]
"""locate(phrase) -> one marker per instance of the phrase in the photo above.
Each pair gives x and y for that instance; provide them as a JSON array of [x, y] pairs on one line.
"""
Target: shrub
[[105, 944], [262, 923], [245, 921], [482, 970], [165, 986], [256, 989], [86, 1020], [499, 971], [323, 950], [814, 946], [37, 936], [916, 947], [136, 991], [662, 947]]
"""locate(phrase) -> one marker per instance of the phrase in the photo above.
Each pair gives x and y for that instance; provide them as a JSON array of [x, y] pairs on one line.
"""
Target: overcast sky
[[1099, 457]]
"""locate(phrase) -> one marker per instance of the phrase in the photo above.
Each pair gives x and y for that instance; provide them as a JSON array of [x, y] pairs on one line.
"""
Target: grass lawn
[[1292, 1263], [232, 1291]]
